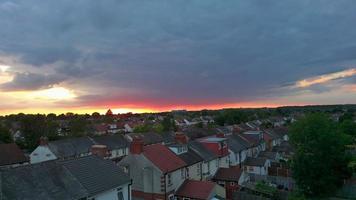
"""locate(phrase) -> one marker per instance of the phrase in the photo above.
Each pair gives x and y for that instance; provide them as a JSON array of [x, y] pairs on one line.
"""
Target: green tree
[[199, 125], [33, 127], [158, 128], [142, 128], [348, 127], [5, 135], [168, 123], [320, 163], [78, 126], [346, 116]]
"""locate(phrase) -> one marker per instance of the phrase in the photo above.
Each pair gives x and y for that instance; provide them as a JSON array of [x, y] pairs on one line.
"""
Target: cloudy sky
[[138, 55]]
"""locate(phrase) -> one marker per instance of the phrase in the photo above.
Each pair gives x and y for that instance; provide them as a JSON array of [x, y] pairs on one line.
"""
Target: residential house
[[282, 132], [88, 177], [258, 166], [199, 190], [272, 156], [285, 150], [231, 179], [238, 149], [117, 145], [12, 156], [148, 138], [271, 138], [128, 128], [240, 128], [101, 129], [194, 132], [210, 160], [255, 138], [218, 145], [156, 171], [61, 149], [189, 156]]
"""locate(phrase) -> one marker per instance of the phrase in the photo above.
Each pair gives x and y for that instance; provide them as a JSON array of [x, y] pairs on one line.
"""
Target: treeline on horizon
[[272, 111], [33, 126]]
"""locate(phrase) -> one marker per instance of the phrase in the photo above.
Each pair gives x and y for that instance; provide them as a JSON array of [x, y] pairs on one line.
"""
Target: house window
[[232, 183], [187, 172], [169, 177], [182, 173], [120, 195], [198, 169], [217, 163]]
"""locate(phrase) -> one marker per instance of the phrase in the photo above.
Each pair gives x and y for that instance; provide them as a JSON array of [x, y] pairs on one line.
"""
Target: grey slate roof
[[70, 147], [268, 154], [95, 174], [112, 141], [236, 143], [190, 157], [40, 181], [71, 179], [195, 132], [255, 161], [203, 152], [149, 137]]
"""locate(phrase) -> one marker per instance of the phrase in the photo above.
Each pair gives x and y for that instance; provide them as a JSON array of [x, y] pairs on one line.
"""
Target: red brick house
[[200, 190], [231, 179]]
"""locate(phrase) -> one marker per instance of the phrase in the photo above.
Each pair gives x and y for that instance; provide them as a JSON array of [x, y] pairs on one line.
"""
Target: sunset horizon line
[[116, 111]]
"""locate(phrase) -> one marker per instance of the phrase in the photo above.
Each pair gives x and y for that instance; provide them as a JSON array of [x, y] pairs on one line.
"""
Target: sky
[[157, 55]]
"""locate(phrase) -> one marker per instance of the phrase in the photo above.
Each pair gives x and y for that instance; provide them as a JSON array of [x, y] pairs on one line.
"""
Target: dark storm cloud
[[193, 51], [31, 81]]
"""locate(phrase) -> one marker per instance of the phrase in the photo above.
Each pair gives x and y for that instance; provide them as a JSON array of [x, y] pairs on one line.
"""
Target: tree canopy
[[5, 135], [320, 162]]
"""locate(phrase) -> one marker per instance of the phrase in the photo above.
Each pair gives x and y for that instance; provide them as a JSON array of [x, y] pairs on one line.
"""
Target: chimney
[[100, 150], [220, 135], [43, 141], [181, 138], [136, 146]]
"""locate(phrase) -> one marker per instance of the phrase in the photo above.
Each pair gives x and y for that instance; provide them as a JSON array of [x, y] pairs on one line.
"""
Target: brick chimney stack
[[100, 150], [220, 135], [43, 141], [136, 146], [181, 138]]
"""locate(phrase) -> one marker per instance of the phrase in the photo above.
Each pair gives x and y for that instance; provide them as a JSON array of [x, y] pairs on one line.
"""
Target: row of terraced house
[[145, 166]]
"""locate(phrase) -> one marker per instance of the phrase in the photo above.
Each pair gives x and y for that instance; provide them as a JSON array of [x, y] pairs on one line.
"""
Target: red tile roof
[[11, 154], [228, 174], [163, 158], [196, 189], [101, 127]]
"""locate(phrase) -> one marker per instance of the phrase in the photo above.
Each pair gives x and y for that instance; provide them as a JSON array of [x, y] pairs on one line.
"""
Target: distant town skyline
[[150, 56]]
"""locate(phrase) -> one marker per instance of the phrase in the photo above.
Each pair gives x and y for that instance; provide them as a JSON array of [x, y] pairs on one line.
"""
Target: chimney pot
[[43, 141], [220, 135], [136, 146], [181, 138]]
